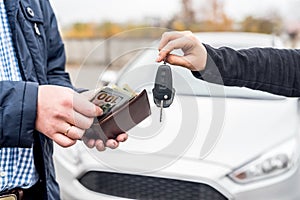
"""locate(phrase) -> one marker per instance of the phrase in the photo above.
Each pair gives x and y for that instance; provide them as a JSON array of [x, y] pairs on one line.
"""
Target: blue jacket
[[41, 56]]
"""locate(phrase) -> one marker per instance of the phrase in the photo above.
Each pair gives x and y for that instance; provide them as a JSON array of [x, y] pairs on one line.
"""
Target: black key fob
[[163, 88]]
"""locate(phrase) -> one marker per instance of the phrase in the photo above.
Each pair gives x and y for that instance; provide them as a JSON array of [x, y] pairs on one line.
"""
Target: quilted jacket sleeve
[[17, 113]]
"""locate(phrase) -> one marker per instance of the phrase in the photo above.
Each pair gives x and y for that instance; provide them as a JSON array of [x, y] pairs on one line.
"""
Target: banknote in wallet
[[109, 98], [122, 107]]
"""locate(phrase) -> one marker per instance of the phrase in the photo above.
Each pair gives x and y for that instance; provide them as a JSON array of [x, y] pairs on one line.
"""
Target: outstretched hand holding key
[[195, 54], [194, 58], [163, 91]]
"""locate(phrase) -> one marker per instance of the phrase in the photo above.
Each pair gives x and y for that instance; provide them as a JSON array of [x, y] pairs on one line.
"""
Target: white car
[[214, 142]]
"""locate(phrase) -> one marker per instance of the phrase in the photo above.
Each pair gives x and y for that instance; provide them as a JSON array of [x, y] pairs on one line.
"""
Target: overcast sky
[[70, 11]]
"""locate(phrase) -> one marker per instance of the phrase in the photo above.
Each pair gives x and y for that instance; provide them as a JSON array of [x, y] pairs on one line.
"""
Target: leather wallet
[[123, 118]]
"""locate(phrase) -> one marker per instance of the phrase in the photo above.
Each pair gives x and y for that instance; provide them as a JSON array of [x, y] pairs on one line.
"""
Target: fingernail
[[158, 59], [115, 144], [99, 111]]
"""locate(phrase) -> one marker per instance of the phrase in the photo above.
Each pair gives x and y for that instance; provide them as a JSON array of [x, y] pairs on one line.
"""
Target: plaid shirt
[[16, 164]]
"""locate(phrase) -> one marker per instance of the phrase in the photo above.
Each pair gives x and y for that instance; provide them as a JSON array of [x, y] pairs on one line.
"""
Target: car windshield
[[140, 72]]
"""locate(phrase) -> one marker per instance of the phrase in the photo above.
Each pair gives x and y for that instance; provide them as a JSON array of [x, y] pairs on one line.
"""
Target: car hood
[[177, 147], [226, 131]]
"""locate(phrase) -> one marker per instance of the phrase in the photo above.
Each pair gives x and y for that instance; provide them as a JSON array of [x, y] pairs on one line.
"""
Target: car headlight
[[276, 161]]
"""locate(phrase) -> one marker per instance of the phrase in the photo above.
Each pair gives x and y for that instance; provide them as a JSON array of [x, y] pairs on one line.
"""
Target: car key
[[163, 91]]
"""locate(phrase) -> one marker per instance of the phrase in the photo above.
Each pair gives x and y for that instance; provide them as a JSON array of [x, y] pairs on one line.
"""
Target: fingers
[[194, 52], [110, 143], [92, 143], [166, 46], [122, 137], [169, 36], [99, 144], [80, 120], [175, 43], [56, 115], [86, 108], [72, 132], [63, 140], [69, 139], [82, 113], [65, 118], [178, 60], [113, 144]]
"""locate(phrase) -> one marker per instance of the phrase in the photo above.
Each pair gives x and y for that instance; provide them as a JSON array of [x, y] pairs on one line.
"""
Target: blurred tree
[[195, 15], [215, 18], [81, 30], [108, 29], [188, 16], [262, 25], [216, 10], [210, 16]]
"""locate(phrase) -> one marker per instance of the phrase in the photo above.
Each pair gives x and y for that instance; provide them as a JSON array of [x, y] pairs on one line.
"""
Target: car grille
[[145, 187]]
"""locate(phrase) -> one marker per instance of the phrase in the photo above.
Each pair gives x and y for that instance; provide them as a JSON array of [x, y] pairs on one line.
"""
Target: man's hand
[[91, 137], [195, 54], [94, 137], [63, 115]]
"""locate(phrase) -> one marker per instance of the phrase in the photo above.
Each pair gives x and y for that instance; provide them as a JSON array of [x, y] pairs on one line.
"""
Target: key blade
[[161, 109]]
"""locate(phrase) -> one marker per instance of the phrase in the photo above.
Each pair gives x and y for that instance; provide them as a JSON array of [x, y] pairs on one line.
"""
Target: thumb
[[98, 111]]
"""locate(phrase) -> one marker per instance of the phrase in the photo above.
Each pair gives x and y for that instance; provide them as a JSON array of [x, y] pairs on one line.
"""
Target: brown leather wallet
[[125, 117]]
